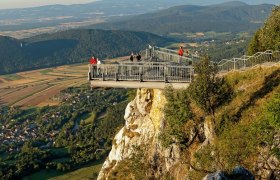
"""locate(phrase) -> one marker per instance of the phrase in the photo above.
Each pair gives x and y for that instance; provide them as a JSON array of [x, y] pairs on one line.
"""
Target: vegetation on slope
[[190, 18], [71, 46], [246, 125], [244, 107], [268, 37]]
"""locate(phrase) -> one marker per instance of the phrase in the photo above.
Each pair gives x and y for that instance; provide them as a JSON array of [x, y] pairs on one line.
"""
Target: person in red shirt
[[181, 51], [92, 60]]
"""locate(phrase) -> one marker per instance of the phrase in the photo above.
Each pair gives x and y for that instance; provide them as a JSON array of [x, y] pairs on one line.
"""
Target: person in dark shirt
[[138, 57], [131, 57]]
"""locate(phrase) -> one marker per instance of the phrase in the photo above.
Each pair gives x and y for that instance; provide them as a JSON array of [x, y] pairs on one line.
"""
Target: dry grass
[[252, 89]]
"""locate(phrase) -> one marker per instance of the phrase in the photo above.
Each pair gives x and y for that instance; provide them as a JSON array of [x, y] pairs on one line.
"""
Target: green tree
[[178, 117], [255, 44], [207, 90], [268, 37]]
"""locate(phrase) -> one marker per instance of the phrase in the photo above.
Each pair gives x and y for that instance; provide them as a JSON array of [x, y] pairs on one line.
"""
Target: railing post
[[165, 73], [153, 54], [89, 72], [191, 72], [234, 64], [103, 77], [116, 76], [140, 74], [244, 61], [141, 77], [116, 72]]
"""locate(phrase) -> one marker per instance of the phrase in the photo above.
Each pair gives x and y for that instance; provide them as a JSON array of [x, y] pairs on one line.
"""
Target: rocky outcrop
[[144, 117], [144, 121], [268, 165]]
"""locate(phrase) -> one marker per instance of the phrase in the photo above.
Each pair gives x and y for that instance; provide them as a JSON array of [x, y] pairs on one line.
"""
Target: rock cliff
[[138, 144], [144, 118]]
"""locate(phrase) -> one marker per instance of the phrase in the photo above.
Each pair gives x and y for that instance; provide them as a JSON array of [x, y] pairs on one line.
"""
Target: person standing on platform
[[93, 62], [187, 53], [180, 53], [131, 57], [138, 57], [98, 66]]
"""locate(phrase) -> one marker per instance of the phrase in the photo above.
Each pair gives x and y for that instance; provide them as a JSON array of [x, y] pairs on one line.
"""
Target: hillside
[[226, 17], [71, 46], [168, 135]]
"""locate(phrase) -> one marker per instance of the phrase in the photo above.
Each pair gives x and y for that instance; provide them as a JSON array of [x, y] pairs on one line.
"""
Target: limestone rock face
[[144, 121], [268, 166], [144, 117]]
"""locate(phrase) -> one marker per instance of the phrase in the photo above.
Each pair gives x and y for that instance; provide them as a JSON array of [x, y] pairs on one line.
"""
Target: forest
[[73, 46]]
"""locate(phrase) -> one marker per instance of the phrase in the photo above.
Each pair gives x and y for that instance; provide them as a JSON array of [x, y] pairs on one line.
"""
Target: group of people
[[181, 51], [95, 61], [138, 57]]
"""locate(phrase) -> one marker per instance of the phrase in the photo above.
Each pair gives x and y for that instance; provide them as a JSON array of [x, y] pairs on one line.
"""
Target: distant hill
[[53, 18], [226, 17], [71, 46]]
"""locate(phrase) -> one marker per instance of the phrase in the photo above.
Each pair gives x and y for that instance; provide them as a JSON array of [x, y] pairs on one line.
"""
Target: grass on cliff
[[245, 125]]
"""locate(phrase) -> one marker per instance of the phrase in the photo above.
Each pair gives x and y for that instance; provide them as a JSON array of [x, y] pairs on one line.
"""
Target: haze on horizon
[[12, 4]]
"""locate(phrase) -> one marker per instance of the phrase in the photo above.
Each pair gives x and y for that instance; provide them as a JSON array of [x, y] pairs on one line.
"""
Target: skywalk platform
[[135, 84], [161, 67]]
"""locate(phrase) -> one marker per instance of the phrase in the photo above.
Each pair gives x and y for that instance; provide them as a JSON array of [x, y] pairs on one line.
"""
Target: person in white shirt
[[98, 66]]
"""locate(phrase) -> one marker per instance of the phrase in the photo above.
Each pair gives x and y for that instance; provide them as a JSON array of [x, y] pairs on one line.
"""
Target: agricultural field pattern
[[39, 87]]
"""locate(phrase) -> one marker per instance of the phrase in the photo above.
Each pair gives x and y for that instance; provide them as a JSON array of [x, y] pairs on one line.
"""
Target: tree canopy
[[268, 37]]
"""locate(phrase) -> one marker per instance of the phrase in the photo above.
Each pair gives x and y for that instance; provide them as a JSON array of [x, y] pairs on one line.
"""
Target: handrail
[[248, 61], [141, 72], [160, 65]]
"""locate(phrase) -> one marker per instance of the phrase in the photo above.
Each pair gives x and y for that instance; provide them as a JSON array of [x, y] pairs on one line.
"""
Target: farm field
[[39, 87]]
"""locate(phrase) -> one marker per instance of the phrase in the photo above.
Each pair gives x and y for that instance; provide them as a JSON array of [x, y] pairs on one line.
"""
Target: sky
[[9, 4]]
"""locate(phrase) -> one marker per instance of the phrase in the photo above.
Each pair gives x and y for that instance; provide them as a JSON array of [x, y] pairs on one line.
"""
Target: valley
[[38, 88], [54, 125]]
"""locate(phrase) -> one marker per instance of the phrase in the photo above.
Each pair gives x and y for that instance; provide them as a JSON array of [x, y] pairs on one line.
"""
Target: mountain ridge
[[217, 18], [72, 46]]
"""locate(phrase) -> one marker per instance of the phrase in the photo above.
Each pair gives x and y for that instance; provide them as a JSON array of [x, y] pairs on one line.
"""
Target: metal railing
[[171, 67], [248, 61], [143, 72], [159, 54]]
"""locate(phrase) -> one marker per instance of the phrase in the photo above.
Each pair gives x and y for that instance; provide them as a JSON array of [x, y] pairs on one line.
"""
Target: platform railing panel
[[172, 71], [124, 72]]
